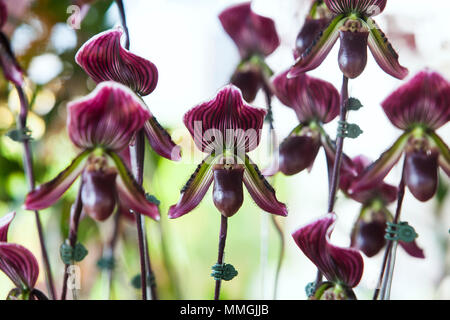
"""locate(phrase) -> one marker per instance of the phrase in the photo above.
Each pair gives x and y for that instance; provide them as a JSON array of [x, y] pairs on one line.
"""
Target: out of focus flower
[[8, 62], [315, 102], [353, 24], [418, 108], [318, 18], [226, 128], [104, 59], [101, 124], [17, 262], [370, 228], [342, 267], [256, 38]]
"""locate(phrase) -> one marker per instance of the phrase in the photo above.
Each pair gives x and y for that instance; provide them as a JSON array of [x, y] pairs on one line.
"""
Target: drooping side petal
[[8, 62], [48, 193], [5, 221], [412, 249], [131, 195], [252, 33], [261, 191], [108, 117], [104, 58], [19, 264], [312, 57], [311, 98], [384, 53], [425, 99], [161, 141], [444, 152], [375, 174], [226, 121], [337, 264], [195, 189], [365, 7]]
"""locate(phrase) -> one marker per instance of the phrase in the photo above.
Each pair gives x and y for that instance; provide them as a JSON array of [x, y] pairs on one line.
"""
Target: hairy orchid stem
[[339, 147], [75, 214], [222, 240], [385, 279], [28, 166]]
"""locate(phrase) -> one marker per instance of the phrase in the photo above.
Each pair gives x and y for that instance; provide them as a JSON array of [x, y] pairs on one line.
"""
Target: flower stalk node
[[401, 231], [354, 104], [348, 130], [20, 135], [136, 281], [224, 271], [106, 263], [70, 254], [310, 289]]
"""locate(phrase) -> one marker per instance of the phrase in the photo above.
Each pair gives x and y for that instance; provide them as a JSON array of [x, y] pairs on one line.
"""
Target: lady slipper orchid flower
[[315, 102], [103, 58], [370, 228], [17, 262], [342, 267], [418, 108], [226, 128], [353, 24], [101, 124], [318, 18], [256, 38], [8, 62]]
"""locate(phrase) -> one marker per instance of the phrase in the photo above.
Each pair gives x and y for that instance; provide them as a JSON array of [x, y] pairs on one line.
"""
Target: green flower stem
[[29, 173]]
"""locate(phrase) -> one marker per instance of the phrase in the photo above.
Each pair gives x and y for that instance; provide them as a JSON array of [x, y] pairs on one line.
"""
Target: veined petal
[[195, 189], [312, 57], [375, 173], [343, 265], [425, 99], [131, 195], [384, 53], [104, 58], [444, 152], [365, 7], [261, 191], [5, 221], [48, 193], [19, 264], [8, 62], [226, 121], [311, 98], [108, 117], [161, 141], [252, 33]]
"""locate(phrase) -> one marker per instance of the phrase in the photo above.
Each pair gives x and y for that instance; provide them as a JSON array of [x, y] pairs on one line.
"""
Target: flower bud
[[228, 194], [98, 192], [353, 50], [421, 173], [298, 153]]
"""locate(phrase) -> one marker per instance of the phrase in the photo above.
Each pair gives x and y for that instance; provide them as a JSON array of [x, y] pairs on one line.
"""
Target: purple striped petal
[[19, 264], [48, 193], [161, 141], [344, 265], [131, 195], [8, 62], [425, 99], [313, 57], [252, 33], [104, 58], [261, 191], [226, 121], [108, 117], [195, 189], [311, 98], [376, 172], [365, 7], [384, 53], [5, 221]]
